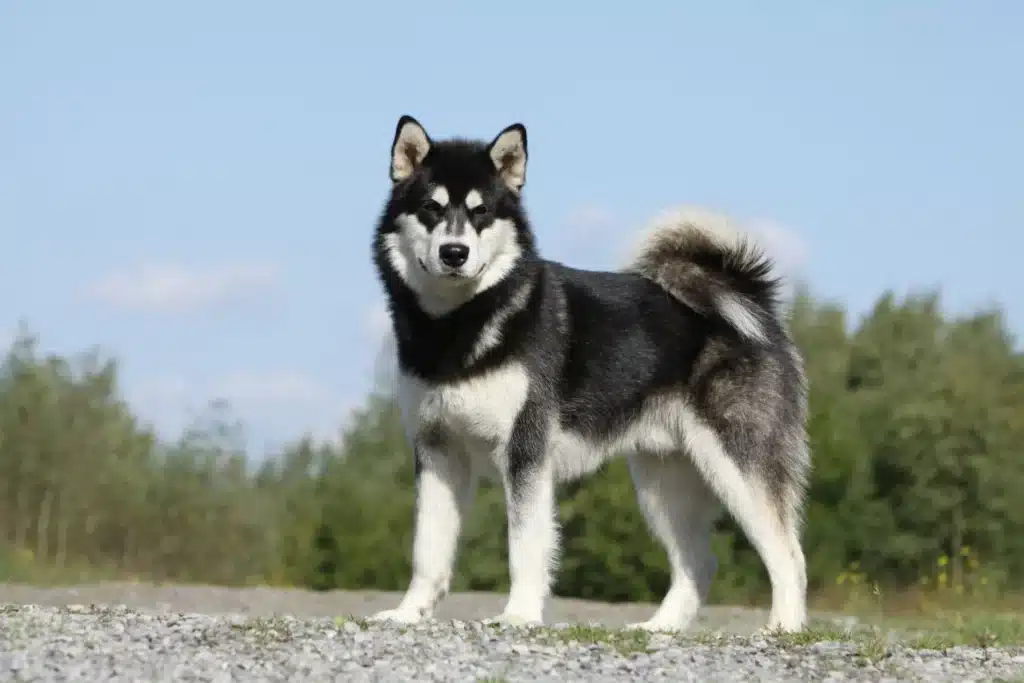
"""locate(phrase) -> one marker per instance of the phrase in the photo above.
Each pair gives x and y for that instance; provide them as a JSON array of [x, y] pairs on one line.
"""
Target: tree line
[[917, 426]]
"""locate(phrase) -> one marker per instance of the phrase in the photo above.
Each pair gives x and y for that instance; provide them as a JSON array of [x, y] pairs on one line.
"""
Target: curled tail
[[703, 261]]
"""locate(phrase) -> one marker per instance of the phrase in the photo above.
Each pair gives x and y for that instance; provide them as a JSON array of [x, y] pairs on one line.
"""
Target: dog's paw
[[652, 626], [398, 616], [515, 619]]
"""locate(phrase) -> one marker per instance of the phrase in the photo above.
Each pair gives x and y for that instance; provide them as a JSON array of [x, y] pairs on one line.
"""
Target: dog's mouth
[[452, 273]]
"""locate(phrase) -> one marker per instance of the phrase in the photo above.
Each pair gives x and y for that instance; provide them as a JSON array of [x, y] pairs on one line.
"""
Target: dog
[[532, 373]]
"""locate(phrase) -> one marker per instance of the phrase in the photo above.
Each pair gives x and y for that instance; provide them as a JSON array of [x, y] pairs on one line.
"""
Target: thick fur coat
[[533, 372]]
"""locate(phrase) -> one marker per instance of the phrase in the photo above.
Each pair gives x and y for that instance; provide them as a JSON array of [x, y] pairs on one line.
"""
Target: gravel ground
[[128, 632]]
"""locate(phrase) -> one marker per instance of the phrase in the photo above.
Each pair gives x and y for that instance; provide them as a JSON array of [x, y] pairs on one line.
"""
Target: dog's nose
[[453, 255]]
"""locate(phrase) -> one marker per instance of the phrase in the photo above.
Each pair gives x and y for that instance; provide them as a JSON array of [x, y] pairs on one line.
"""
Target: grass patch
[[873, 646], [873, 642], [362, 623], [624, 641], [973, 606], [816, 632], [875, 639], [940, 632], [946, 630]]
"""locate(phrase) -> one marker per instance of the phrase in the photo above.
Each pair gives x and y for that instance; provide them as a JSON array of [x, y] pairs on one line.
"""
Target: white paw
[[653, 626], [398, 616], [515, 619]]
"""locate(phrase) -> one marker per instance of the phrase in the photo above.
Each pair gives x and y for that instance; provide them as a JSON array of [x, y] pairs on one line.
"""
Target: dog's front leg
[[532, 528], [445, 486]]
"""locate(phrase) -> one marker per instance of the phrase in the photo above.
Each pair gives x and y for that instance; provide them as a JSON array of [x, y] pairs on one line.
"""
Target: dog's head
[[454, 225]]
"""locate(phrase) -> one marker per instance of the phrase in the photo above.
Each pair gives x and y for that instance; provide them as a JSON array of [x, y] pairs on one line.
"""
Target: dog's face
[[454, 212]]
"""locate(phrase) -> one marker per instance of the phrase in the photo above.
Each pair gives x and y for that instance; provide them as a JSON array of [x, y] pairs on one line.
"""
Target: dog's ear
[[508, 152], [409, 148]]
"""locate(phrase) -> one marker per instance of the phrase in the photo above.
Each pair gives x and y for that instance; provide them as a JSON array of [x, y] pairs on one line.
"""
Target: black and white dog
[[533, 372]]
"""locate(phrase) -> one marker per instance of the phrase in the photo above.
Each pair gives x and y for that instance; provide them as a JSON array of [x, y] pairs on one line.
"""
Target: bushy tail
[[703, 261]]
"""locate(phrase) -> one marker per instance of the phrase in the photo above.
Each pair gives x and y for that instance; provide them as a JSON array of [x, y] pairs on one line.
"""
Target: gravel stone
[[132, 633]]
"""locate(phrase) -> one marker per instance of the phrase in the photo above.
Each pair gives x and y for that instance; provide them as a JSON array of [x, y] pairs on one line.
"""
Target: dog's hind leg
[[680, 510], [765, 509]]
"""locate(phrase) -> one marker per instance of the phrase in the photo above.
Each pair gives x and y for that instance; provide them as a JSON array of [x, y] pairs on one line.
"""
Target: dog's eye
[[430, 206], [479, 210]]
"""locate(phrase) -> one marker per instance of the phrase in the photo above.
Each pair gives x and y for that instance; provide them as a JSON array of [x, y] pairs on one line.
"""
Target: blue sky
[[193, 185]]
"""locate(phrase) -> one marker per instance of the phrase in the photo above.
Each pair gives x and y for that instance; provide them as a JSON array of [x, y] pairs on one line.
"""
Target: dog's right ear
[[508, 152], [409, 148]]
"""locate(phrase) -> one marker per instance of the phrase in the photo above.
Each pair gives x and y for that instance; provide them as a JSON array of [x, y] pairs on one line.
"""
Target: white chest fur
[[475, 415]]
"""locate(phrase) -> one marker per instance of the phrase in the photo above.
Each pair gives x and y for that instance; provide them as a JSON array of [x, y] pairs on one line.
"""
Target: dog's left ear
[[508, 152]]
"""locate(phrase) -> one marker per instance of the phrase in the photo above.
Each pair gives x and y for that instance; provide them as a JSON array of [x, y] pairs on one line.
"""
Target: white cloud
[[173, 288]]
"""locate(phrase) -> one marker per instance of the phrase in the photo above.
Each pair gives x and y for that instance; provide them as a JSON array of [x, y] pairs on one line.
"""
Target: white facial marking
[[498, 247], [414, 253], [440, 195], [473, 199]]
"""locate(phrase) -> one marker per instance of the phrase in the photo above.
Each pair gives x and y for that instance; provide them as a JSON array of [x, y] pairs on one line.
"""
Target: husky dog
[[532, 372]]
